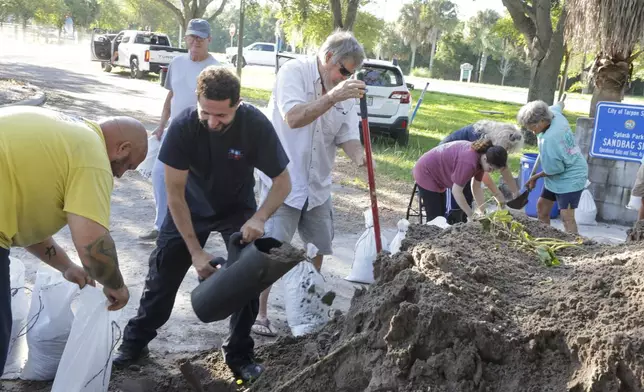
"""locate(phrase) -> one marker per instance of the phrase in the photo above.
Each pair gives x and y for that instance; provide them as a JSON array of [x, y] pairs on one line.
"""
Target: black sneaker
[[248, 373], [128, 356]]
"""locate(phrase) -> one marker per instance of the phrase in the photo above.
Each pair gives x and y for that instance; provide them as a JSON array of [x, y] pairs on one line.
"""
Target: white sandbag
[[145, 168], [439, 221], [586, 211], [17, 354], [86, 365], [635, 203], [403, 225], [49, 323], [304, 287], [365, 253]]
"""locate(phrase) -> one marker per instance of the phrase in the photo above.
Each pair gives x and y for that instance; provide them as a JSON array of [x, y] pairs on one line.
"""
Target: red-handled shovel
[[366, 136]]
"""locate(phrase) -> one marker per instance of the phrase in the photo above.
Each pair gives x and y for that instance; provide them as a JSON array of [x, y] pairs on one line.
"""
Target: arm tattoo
[[101, 262], [50, 251]]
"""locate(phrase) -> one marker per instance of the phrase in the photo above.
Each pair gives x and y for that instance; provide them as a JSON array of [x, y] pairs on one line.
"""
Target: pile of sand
[[461, 311]]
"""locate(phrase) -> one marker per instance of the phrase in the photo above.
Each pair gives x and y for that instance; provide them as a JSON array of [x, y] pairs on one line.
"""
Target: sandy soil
[[12, 91]]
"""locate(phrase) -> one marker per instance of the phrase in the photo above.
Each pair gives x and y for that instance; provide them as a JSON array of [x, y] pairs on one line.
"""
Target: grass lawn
[[438, 116]]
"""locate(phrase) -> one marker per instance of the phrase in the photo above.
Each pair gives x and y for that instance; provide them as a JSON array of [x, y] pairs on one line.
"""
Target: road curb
[[38, 100]]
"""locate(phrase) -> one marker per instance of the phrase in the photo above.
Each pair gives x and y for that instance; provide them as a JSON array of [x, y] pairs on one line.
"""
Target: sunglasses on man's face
[[344, 71]]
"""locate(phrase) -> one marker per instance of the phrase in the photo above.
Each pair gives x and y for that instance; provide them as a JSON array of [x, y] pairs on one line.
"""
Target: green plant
[[502, 224], [421, 72], [576, 87]]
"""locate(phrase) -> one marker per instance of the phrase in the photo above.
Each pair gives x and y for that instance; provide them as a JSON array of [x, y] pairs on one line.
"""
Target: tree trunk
[[413, 57], [431, 58], [544, 71], [564, 75], [476, 68], [240, 40], [336, 9], [483, 65], [611, 75], [352, 12]]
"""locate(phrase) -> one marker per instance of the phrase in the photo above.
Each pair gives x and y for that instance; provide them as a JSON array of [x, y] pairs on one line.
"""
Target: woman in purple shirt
[[452, 166]]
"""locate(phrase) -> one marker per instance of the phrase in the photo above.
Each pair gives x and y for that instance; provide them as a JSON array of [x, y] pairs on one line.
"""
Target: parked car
[[388, 99], [139, 51], [259, 53]]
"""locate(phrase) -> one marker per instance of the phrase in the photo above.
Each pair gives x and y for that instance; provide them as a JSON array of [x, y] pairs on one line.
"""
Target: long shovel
[[366, 136], [520, 201]]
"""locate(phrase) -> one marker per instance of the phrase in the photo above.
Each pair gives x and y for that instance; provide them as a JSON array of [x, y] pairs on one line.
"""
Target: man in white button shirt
[[313, 110]]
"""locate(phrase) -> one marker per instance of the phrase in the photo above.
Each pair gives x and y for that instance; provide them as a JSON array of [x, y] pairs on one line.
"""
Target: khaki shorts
[[638, 188], [314, 226]]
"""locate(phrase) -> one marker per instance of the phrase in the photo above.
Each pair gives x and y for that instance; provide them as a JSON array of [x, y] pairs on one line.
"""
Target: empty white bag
[[145, 168], [49, 323], [304, 288], [86, 365], [19, 306], [365, 253], [403, 225], [586, 212]]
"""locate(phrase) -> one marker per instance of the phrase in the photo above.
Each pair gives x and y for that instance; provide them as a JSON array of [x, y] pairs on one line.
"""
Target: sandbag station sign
[[619, 132]]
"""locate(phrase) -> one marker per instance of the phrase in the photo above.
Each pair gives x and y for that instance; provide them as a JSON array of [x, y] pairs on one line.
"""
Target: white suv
[[388, 99]]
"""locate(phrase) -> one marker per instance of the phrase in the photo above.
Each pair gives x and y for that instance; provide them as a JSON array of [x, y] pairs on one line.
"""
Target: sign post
[[466, 72], [232, 29], [619, 132]]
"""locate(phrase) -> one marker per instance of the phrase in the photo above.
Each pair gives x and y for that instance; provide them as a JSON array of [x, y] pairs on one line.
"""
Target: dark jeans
[[5, 307], [433, 202], [169, 262], [455, 214]]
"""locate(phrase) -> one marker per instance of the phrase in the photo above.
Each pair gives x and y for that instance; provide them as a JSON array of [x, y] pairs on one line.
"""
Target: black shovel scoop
[[520, 201]]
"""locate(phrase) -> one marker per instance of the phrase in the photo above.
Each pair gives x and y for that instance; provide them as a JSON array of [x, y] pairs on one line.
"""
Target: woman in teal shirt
[[565, 170]]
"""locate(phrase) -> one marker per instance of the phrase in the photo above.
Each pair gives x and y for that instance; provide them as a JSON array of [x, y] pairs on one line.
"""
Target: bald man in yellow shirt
[[57, 170]]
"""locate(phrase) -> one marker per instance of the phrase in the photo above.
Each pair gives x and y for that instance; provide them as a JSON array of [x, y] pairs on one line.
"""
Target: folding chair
[[411, 212]]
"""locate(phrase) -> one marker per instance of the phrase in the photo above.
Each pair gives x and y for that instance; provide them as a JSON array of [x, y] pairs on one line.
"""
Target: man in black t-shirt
[[209, 153]]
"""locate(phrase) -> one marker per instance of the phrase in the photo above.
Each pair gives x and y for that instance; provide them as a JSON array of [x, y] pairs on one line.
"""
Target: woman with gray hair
[[564, 169], [501, 134]]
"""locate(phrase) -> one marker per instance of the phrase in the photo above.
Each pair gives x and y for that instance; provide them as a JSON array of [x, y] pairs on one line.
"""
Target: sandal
[[263, 328]]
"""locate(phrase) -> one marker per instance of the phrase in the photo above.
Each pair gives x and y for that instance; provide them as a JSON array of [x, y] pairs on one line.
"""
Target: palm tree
[[613, 29], [482, 37], [438, 16], [412, 28]]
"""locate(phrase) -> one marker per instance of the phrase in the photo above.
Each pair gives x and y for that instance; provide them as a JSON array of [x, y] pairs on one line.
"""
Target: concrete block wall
[[611, 181]]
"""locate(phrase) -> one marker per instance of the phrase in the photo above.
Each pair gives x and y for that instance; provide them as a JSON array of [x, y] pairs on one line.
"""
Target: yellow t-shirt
[[50, 164]]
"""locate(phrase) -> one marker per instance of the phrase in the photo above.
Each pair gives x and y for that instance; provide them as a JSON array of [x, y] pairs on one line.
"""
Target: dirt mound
[[460, 310], [636, 233]]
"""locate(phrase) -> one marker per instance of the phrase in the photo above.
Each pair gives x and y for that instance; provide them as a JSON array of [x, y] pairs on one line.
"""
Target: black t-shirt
[[220, 179]]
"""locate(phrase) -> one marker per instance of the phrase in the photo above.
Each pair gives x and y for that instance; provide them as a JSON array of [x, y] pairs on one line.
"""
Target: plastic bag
[[19, 305], [365, 253], [635, 203], [145, 168], [307, 304], [439, 221], [586, 212], [49, 323], [403, 225], [86, 365]]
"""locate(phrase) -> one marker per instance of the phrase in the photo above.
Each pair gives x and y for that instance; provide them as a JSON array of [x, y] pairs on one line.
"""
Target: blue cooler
[[527, 163]]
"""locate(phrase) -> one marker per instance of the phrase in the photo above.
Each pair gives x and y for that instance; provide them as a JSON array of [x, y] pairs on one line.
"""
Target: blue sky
[[389, 9]]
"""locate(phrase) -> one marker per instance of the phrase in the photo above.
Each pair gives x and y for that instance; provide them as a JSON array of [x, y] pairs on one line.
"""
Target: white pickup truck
[[259, 53], [139, 51]]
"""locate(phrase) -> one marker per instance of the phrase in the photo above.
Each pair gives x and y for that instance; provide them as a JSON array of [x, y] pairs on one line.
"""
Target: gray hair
[[502, 134], [533, 112], [344, 46]]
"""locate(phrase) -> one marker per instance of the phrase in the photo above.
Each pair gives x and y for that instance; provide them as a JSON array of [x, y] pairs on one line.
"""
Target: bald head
[[126, 141]]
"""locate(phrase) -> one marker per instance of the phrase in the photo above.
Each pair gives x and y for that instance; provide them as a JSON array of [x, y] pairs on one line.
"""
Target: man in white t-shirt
[[181, 81], [313, 110]]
